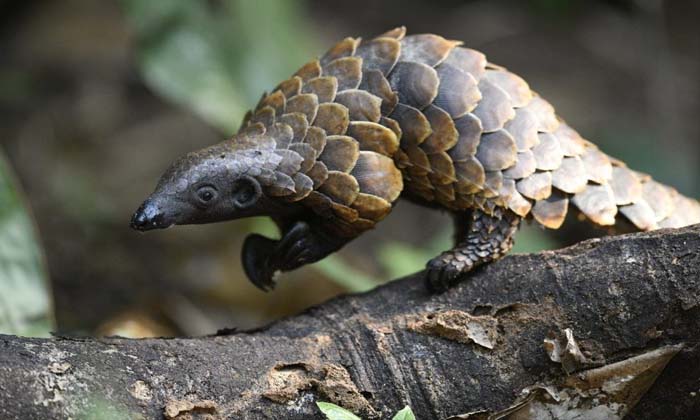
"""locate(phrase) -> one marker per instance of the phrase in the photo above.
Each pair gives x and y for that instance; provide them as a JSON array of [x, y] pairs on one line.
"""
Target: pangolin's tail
[[616, 193]]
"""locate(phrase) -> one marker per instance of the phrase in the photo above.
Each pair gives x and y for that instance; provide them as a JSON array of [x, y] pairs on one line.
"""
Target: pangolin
[[327, 154]]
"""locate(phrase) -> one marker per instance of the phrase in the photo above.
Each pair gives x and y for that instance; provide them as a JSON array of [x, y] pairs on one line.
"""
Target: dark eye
[[245, 192], [206, 194]]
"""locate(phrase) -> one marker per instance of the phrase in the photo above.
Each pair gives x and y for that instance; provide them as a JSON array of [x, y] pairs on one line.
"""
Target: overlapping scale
[[316, 138], [537, 186], [347, 70], [303, 185], [426, 49], [641, 215], [340, 187], [660, 199], [571, 176], [570, 141], [548, 154], [265, 116], [307, 153], [625, 185], [544, 112], [306, 104], [318, 174], [377, 175], [374, 82], [442, 169], [525, 166], [290, 163], [344, 48], [396, 33], [414, 125], [523, 128], [333, 118], [309, 70], [597, 164], [276, 101], [374, 137], [282, 133], [444, 134], [290, 87], [518, 90], [597, 202], [361, 105], [371, 207], [551, 211], [470, 61], [470, 175], [282, 186], [493, 181], [468, 137], [415, 83], [324, 88], [686, 212], [497, 150], [458, 93], [495, 108], [516, 202], [299, 124], [340, 153], [380, 54]]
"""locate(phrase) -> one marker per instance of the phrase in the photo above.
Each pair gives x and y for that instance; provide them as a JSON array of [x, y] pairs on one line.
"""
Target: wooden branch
[[588, 328]]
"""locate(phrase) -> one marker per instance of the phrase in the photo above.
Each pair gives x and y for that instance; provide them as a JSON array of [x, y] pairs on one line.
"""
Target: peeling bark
[[619, 314]]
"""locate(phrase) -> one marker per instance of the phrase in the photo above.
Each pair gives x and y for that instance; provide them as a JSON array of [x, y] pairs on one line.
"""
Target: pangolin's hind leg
[[479, 238]]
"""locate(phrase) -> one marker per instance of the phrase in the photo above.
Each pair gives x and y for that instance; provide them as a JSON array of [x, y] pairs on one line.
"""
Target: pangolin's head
[[221, 182]]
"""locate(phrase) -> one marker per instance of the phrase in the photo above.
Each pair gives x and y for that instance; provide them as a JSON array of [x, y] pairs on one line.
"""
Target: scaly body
[[329, 151]]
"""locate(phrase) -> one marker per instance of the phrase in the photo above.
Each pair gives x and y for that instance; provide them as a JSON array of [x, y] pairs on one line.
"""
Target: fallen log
[[603, 329]]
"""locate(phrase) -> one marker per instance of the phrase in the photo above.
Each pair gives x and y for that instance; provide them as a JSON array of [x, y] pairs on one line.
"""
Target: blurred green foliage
[[101, 409], [25, 303], [334, 412], [217, 57]]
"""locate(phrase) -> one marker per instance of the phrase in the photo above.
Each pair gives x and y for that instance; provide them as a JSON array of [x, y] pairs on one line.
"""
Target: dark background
[[90, 115]]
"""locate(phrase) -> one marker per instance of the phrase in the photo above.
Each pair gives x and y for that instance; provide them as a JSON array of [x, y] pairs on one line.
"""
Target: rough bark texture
[[611, 312]]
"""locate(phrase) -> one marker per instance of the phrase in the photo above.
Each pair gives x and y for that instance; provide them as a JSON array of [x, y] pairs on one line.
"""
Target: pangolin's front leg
[[479, 238], [301, 243]]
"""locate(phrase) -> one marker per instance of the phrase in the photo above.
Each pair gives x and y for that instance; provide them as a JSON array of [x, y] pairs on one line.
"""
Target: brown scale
[[424, 117]]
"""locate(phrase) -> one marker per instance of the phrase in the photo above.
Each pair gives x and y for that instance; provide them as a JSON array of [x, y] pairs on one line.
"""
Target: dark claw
[[257, 256], [294, 244], [441, 275], [262, 256]]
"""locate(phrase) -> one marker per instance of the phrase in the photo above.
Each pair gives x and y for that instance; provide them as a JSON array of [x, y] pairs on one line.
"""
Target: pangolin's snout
[[149, 216]]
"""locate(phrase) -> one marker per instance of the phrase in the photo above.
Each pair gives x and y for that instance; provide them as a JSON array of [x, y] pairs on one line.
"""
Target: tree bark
[[605, 328]]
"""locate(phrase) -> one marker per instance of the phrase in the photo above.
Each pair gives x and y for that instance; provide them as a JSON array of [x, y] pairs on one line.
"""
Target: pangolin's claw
[[295, 243], [262, 256], [442, 273], [257, 256]]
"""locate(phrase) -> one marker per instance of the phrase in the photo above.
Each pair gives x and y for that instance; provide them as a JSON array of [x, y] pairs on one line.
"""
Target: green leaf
[[216, 58], [405, 414], [25, 304], [333, 412]]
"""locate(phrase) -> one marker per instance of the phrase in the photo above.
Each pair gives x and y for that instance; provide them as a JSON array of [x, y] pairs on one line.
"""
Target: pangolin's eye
[[246, 192], [206, 194]]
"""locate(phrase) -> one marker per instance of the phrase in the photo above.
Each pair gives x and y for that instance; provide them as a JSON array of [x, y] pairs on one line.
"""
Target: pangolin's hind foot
[[480, 238]]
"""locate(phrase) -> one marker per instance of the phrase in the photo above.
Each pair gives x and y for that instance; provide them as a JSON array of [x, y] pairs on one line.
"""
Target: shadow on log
[[605, 328]]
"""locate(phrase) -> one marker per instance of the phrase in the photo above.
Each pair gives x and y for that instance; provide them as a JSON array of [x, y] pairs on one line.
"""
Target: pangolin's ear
[[246, 192]]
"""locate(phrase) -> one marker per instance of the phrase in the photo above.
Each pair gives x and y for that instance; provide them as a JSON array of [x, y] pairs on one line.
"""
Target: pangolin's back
[[426, 117]]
